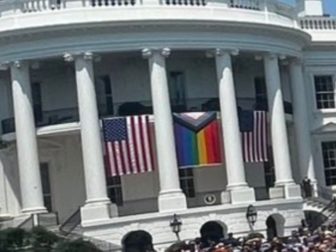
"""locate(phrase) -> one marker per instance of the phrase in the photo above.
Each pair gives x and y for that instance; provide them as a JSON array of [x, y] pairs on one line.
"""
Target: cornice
[[134, 37]]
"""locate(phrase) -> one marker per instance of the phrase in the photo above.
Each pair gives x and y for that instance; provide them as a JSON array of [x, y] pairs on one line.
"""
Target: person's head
[[230, 235]]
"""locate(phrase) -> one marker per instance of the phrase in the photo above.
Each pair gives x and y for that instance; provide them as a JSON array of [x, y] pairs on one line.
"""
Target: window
[[324, 91], [114, 190], [37, 101], [260, 93], [269, 169], [46, 189], [177, 91], [104, 96], [329, 161], [187, 182]]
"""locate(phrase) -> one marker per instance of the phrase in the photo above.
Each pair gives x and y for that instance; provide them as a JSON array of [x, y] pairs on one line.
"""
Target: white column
[[238, 191], [97, 205], [301, 122], [277, 122], [27, 150], [171, 197]]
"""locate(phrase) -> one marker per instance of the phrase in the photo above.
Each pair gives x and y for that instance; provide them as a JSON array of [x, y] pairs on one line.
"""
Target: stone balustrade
[[318, 23], [18, 7]]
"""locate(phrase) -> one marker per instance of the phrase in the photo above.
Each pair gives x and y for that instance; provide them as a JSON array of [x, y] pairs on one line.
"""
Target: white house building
[[68, 64]]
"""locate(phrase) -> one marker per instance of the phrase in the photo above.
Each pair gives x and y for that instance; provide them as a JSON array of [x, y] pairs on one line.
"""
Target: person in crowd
[[301, 240]]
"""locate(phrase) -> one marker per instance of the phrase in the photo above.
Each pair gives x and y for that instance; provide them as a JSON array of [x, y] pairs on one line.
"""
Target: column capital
[[273, 55], [18, 63], [296, 61], [70, 57], [221, 51], [149, 52], [88, 56], [4, 66]]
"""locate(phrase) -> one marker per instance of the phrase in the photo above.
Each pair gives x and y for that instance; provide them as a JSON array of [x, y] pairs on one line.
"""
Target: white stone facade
[[60, 57]]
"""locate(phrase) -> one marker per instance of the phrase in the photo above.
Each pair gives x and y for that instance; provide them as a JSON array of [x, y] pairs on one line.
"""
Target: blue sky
[[329, 6]]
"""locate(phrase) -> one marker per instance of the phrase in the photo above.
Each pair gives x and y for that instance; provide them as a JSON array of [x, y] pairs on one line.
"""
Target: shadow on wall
[[137, 241], [275, 226], [212, 232]]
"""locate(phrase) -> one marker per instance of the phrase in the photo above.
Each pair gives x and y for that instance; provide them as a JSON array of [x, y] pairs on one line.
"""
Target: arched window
[[137, 241]]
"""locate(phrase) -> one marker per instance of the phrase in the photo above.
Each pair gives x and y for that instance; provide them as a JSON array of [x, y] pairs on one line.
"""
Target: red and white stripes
[[134, 154], [254, 143]]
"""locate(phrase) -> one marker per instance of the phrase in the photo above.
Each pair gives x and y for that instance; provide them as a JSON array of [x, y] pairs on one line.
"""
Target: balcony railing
[[246, 4], [318, 23], [19, 7], [68, 115]]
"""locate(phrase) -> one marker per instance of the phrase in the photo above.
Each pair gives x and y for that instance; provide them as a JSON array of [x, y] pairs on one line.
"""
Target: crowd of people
[[302, 240]]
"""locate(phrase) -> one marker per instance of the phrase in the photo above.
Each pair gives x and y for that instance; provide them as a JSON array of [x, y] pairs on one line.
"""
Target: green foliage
[[13, 238], [77, 245], [40, 240]]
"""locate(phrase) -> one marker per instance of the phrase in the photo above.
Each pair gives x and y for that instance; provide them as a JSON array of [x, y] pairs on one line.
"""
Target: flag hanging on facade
[[128, 145], [197, 139], [254, 135]]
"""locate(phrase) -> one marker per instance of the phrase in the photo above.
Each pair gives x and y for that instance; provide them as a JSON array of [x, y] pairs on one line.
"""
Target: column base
[[172, 201], [286, 191], [34, 210], [314, 189], [92, 212], [238, 196]]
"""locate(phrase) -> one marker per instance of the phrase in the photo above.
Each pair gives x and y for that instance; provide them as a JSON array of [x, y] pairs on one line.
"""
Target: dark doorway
[[314, 219], [37, 101], [211, 233], [137, 241], [271, 228]]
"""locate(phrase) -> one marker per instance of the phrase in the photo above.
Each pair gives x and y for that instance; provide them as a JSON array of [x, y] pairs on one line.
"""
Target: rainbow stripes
[[197, 139]]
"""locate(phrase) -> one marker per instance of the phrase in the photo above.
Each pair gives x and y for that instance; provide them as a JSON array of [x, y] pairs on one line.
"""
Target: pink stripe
[[138, 145], [250, 146], [130, 145], [265, 135], [255, 137], [149, 132], [126, 157], [147, 153], [137, 168], [118, 158], [246, 147], [260, 154], [142, 141], [112, 159]]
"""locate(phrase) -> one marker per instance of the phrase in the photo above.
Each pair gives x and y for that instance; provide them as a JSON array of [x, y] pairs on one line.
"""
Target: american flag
[[128, 145], [253, 127]]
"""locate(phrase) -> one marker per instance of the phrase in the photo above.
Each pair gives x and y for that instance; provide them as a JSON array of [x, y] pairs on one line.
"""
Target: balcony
[[68, 115], [322, 29], [10, 7], [30, 13]]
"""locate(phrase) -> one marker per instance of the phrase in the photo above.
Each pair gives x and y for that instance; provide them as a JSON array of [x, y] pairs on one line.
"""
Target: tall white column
[[238, 191], [281, 156], [171, 197], [27, 151], [97, 205], [301, 122]]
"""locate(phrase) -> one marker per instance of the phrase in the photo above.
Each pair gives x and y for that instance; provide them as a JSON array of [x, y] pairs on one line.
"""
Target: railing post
[[71, 4], [151, 2], [219, 3], [264, 7]]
